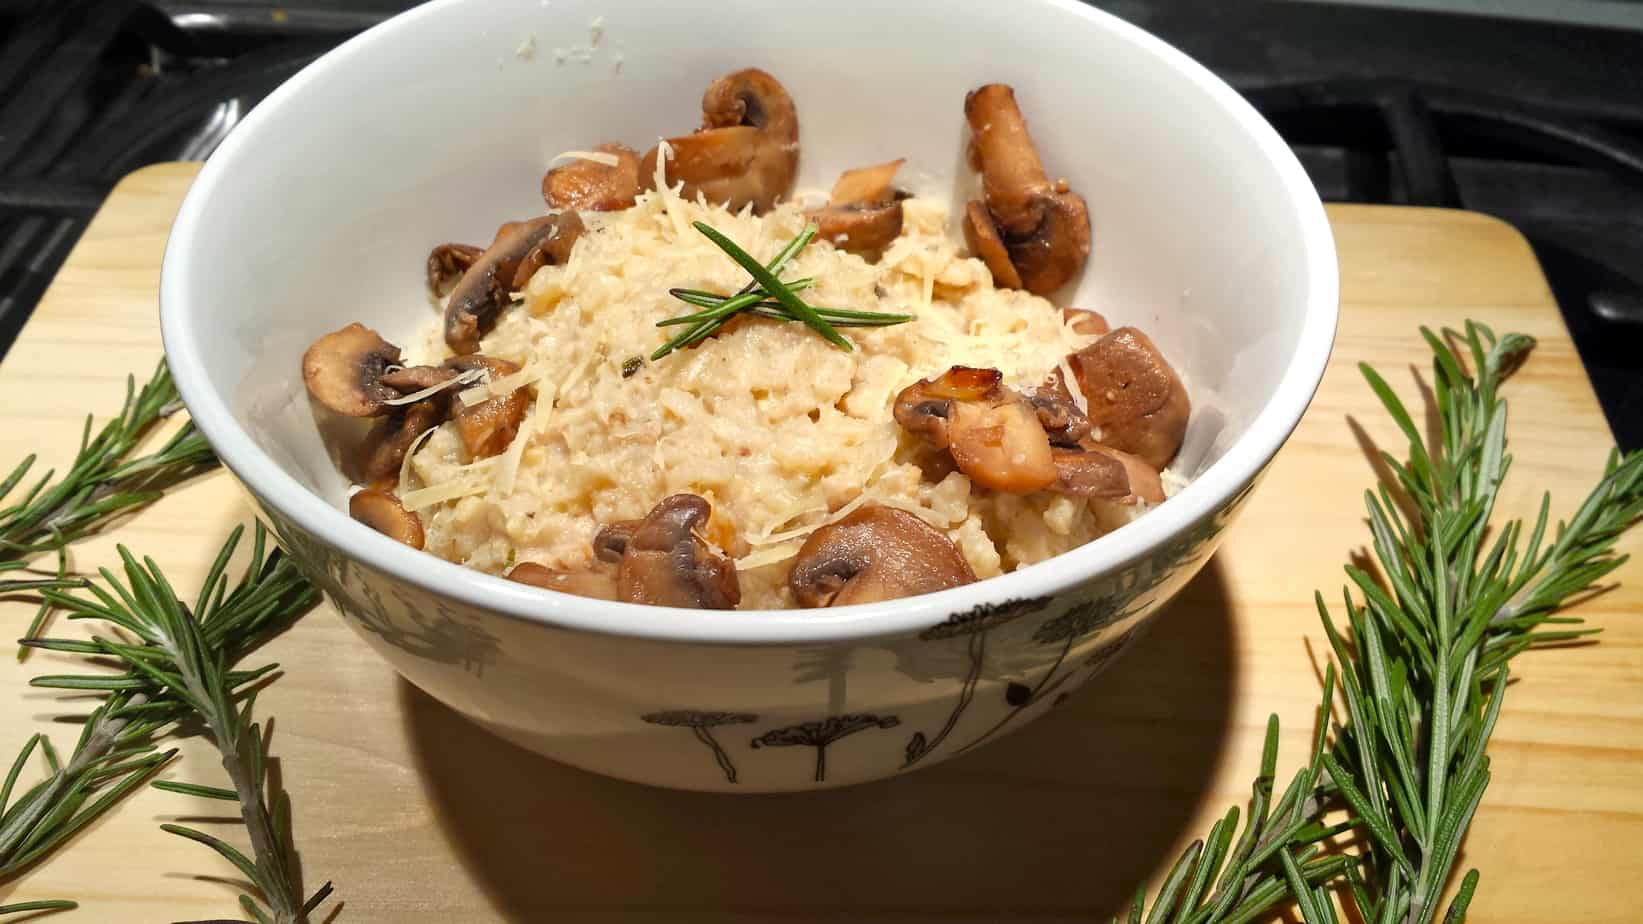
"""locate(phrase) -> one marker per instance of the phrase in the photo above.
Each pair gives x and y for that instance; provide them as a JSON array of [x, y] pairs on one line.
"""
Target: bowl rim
[[1203, 497]]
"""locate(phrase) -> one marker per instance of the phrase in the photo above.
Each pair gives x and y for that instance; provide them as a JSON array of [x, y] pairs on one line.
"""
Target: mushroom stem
[[1011, 174]]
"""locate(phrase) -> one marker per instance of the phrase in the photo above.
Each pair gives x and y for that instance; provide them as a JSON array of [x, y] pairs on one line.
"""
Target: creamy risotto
[[778, 429], [545, 430]]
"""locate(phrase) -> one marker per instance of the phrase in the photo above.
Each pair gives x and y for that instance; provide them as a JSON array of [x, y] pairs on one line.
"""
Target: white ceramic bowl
[[438, 124]]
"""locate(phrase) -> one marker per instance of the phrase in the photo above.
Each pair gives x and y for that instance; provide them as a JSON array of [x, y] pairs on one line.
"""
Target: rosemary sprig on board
[[1423, 667], [178, 667], [766, 296], [104, 481]]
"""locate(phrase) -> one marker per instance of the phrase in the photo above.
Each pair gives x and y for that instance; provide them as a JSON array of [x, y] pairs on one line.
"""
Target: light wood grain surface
[[419, 816]]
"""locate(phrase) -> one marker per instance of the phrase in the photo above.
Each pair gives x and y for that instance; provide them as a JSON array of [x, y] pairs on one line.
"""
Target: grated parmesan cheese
[[464, 378], [1071, 381], [440, 493]]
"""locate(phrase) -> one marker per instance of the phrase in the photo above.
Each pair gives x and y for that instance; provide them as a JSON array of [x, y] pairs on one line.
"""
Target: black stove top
[[1538, 124]]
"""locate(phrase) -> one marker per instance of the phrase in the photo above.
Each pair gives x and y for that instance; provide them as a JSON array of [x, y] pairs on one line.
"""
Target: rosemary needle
[[717, 318], [1422, 671], [768, 281]]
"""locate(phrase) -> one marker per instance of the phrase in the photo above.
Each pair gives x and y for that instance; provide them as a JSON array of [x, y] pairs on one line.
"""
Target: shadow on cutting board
[[1065, 817]]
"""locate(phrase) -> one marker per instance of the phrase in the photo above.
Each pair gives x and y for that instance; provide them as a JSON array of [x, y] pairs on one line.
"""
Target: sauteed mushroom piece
[[611, 542], [1097, 471], [412, 379], [1044, 226], [447, 263], [981, 236], [598, 583], [1134, 395], [520, 249], [665, 562], [377, 460], [1060, 417], [863, 214], [993, 434], [747, 149], [382, 512], [488, 427], [1086, 322], [343, 371], [581, 183], [876, 553]]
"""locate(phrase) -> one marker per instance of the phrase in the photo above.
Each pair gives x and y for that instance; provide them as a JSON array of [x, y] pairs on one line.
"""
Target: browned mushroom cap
[[993, 434], [1060, 416], [747, 150], [447, 263], [1098, 471], [488, 427], [382, 512], [343, 371], [864, 213], [1045, 227], [598, 583], [667, 564], [876, 553], [484, 290], [981, 236], [377, 460], [596, 187], [1134, 396], [1050, 257]]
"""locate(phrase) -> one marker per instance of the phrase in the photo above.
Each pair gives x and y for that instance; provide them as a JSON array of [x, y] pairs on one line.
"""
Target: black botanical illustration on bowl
[[1109, 653], [972, 626], [1078, 622], [440, 637], [701, 724], [820, 734]]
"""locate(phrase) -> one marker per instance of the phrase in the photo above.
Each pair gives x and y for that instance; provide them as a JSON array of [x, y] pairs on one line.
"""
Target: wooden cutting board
[[419, 816]]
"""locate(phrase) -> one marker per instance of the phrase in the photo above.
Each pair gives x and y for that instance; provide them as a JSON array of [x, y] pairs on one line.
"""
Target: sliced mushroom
[[447, 263], [1044, 226], [981, 236], [864, 213], [1134, 396], [1060, 416], [876, 553], [1101, 472], [666, 563], [486, 287], [488, 427], [343, 371], [1086, 322], [993, 434], [611, 542], [383, 512], [413, 379], [598, 583], [747, 150], [592, 186], [377, 461]]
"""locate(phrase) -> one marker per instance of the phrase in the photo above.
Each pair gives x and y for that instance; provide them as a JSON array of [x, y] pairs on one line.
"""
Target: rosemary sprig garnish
[[765, 296], [178, 668], [1423, 661], [104, 481]]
